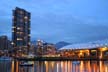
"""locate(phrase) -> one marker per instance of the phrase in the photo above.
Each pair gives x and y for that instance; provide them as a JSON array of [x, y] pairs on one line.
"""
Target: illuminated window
[[12, 43], [19, 32], [93, 50], [19, 38], [25, 17], [18, 28]]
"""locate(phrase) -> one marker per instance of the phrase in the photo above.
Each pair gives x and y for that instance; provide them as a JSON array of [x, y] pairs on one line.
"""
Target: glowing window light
[[19, 39], [18, 28], [25, 17]]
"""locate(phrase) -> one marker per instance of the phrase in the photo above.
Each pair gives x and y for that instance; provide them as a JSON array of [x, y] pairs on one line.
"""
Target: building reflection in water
[[56, 66], [5, 66]]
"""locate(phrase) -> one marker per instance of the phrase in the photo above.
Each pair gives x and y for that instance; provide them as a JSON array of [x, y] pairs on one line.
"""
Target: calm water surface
[[55, 66]]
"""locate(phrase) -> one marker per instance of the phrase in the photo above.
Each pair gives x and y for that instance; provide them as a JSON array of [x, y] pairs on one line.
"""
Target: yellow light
[[103, 49], [88, 52], [93, 50], [13, 66], [81, 53]]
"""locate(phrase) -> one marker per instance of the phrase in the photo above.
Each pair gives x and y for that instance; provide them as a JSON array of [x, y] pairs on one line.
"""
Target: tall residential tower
[[21, 28]]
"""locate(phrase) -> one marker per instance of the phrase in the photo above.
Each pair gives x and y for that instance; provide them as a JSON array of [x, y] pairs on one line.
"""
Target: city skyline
[[53, 21]]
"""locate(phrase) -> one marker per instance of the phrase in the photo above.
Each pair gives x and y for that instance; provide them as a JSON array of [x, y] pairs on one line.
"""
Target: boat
[[26, 64]]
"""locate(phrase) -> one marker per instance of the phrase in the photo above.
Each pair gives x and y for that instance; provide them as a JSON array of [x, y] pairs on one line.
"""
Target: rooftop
[[90, 45]]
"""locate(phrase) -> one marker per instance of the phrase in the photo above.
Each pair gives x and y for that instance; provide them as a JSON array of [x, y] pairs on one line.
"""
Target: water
[[56, 66]]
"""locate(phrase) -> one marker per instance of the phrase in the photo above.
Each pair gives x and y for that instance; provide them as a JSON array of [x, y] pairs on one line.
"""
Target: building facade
[[21, 28], [43, 48], [5, 44]]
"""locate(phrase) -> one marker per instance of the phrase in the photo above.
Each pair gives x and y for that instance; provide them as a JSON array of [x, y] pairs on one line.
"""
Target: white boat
[[26, 64]]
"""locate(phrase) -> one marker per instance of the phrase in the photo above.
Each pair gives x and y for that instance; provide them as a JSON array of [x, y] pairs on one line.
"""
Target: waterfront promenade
[[61, 59]]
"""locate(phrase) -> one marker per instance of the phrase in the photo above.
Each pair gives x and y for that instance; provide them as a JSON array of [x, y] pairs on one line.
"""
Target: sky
[[60, 20]]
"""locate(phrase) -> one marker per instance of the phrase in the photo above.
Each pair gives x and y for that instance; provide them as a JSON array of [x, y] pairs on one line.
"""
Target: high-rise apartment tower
[[21, 28]]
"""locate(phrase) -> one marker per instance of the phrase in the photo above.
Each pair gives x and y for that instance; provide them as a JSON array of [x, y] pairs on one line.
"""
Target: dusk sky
[[60, 20]]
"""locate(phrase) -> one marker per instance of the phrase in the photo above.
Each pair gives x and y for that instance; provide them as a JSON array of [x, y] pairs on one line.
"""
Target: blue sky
[[60, 20]]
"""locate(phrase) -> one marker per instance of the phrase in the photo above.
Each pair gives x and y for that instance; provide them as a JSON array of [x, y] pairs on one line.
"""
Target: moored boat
[[26, 64]]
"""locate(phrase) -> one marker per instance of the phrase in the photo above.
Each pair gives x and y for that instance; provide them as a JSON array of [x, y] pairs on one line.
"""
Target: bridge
[[98, 50]]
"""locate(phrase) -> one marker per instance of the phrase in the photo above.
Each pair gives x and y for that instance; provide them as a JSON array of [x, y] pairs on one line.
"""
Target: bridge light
[[104, 49]]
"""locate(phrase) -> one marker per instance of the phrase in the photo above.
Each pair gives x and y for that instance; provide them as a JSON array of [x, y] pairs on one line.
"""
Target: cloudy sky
[[60, 20]]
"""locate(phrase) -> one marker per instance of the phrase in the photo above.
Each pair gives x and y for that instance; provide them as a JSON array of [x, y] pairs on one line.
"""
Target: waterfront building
[[5, 44], [43, 48], [49, 49], [39, 47], [21, 29]]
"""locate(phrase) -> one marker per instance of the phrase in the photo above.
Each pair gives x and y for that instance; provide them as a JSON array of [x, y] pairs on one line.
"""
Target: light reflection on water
[[56, 66]]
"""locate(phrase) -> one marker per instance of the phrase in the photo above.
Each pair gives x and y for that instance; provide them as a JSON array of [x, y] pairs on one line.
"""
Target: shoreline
[[60, 59]]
